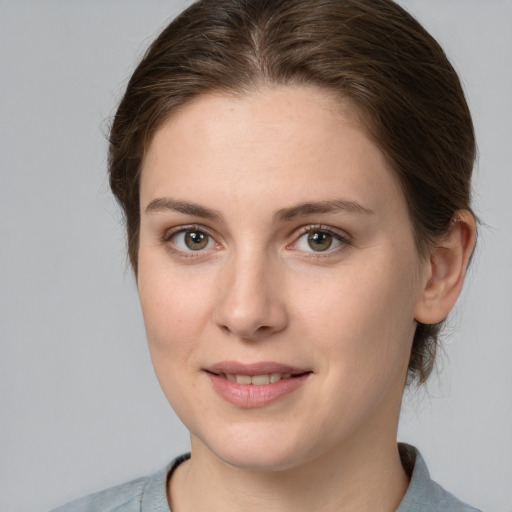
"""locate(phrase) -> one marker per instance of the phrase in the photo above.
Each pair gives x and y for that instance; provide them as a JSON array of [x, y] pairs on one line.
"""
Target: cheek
[[175, 309], [174, 316], [364, 320]]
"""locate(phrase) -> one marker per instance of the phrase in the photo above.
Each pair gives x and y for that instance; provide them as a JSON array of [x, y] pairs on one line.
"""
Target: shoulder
[[423, 494], [448, 501], [125, 497], [147, 494]]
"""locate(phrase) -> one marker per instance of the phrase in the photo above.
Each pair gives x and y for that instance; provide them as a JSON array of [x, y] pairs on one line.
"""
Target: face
[[278, 277]]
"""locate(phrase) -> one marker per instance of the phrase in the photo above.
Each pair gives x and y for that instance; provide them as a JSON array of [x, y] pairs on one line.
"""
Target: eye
[[319, 240], [191, 239]]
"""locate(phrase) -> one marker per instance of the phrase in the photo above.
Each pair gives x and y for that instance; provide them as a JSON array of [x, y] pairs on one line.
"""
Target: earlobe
[[446, 270]]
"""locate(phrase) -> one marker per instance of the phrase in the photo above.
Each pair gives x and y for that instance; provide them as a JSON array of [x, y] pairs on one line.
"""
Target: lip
[[252, 369], [248, 396]]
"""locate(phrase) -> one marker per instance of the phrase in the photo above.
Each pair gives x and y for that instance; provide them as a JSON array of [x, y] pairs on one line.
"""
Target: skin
[[259, 292]]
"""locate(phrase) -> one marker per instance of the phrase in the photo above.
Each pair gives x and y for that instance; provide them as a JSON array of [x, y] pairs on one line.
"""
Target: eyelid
[[167, 236], [340, 235], [169, 233]]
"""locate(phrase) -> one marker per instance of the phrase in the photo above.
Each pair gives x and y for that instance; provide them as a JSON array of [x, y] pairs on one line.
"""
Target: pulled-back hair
[[370, 53]]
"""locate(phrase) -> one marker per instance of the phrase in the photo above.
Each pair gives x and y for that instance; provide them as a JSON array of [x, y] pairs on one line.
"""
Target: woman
[[295, 178]]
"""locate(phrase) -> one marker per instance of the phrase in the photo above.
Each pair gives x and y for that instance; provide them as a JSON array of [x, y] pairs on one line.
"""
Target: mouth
[[257, 374], [255, 385], [258, 380]]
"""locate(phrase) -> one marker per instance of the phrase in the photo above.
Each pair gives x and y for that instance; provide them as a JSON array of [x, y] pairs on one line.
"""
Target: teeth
[[275, 377], [258, 380]]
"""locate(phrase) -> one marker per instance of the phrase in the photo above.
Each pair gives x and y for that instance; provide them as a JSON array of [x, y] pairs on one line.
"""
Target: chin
[[260, 460], [259, 448]]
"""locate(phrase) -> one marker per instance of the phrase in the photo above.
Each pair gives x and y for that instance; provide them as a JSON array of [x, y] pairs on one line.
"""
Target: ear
[[446, 268]]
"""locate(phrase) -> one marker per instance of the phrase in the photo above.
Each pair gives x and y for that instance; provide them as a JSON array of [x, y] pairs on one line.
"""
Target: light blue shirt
[[149, 494]]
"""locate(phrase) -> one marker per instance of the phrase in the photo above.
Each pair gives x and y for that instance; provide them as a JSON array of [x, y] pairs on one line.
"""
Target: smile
[[256, 385], [258, 380]]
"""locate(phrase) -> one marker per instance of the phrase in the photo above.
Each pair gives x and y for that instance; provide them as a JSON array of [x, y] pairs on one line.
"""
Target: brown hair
[[370, 52]]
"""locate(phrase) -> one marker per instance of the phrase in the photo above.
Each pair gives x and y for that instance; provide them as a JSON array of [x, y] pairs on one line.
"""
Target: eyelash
[[167, 237], [320, 228]]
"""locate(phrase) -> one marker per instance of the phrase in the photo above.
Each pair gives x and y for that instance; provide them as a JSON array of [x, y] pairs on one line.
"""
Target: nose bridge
[[250, 303]]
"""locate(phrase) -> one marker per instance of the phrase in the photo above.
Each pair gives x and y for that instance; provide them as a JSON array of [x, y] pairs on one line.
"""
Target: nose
[[250, 303]]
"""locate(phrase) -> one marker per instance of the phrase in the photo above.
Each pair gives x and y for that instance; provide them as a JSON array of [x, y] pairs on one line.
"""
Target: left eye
[[192, 240], [318, 241]]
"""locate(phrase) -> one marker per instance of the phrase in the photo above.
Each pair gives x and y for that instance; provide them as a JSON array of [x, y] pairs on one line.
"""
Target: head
[[370, 56]]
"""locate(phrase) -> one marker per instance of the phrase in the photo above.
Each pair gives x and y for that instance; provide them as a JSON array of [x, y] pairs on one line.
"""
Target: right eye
[[191, 239]]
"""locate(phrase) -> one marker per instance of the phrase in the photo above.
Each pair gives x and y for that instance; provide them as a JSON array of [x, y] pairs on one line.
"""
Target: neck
[[344, 480]]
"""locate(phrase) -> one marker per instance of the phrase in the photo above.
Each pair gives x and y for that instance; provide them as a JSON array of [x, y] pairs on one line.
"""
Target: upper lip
[[251, 369]]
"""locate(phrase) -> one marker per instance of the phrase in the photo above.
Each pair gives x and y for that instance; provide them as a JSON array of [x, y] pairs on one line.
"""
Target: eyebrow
[[309, 208], [162, 204]]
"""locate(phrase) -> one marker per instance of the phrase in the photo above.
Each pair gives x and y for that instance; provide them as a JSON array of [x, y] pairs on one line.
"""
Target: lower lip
[[248, 396]]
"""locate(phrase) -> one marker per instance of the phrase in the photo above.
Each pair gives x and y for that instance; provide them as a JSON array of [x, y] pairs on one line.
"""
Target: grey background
[[80, 408]]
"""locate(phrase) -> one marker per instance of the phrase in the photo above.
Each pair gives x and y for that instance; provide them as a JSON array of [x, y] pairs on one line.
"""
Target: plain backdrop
[[80, 408]]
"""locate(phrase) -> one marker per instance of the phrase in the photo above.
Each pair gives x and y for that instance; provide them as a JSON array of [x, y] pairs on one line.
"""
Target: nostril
[[247, 334], [250, 319]]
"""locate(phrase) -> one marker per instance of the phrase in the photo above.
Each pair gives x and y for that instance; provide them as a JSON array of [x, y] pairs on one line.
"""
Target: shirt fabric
[[149, 494]]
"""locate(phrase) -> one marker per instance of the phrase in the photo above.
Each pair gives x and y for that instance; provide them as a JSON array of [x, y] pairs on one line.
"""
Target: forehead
[[295, 143]]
